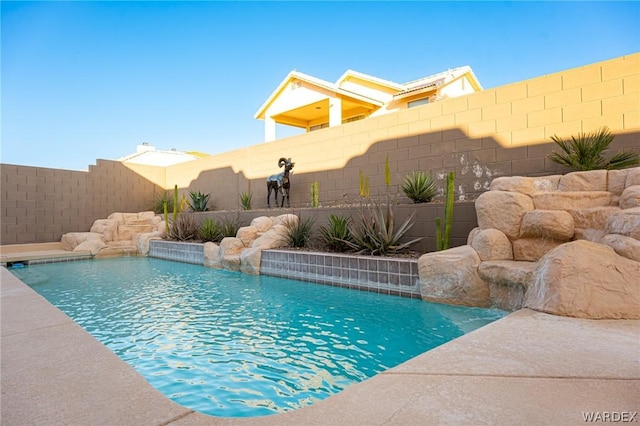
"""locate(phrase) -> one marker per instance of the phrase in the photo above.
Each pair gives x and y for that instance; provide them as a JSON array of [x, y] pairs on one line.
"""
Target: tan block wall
[[498, 132], [40, 204]]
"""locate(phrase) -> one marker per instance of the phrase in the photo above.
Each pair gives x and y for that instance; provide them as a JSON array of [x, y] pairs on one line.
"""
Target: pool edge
[[86, 383]]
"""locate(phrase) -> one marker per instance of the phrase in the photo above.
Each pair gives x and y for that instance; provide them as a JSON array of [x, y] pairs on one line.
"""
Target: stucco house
[[311, 103]]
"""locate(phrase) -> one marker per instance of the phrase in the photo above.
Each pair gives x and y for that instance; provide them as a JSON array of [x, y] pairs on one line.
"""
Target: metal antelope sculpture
[[280, 182]]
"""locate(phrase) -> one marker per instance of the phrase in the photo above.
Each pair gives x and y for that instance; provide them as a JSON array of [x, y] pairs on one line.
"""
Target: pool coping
[[528, 367]]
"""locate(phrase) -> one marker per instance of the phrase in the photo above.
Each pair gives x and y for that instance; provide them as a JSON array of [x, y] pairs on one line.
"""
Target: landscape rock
[[492, 244], [554, 224], [592, 218], [273, 238], [532, 249], [212, 258], [451, 276], [503, 211], [571, 200], [94, 245], [525, 185], [633, 177], [247, 234], [630, 197], [624, 246], [107, 227], [262, 223], [250, 261], [617, 181], [585, 280], [508, 281], [71, 240], [625, 222], [141, 241], [593, 180]]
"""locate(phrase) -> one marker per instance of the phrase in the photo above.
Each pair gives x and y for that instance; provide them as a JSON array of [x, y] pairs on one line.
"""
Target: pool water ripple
[[229, 344]]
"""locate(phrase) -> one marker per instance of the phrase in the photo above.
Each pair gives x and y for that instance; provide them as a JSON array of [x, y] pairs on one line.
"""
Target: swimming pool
[[228, 344]]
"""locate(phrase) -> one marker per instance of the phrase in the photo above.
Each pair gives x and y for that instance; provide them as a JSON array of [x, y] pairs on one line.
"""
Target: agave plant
[[336, 234], [586, 152], [376, 233], [420, 187], [199, 201], [245, 200]]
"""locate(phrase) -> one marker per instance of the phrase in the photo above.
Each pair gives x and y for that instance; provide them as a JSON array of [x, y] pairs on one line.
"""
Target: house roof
[[399, 90], [148, 155], [318, 82]]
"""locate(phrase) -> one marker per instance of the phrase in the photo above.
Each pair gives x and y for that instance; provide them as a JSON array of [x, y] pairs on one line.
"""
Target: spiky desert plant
[[336, 233], [229, 227], [184, 228], [199, 201], [387, 173], [443, 236], [420, 187], [245, 200], [586, 152], [210, 230], [375, 232], [299, 232]]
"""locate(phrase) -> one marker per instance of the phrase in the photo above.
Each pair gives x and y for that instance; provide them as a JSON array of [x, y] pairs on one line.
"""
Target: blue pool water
[[235, 345]]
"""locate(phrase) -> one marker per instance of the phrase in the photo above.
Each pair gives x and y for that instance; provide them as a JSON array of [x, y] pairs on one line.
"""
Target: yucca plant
[[376, 233], [586, 152], [183, 228], [229, 227], [336, 234], [420, 187], [245, 200], [300, 232], [199, 201], [210, 230]]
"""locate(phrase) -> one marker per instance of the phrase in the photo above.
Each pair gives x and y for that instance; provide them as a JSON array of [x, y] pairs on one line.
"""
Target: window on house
[[353, 118], [318, 127], [418, 102]]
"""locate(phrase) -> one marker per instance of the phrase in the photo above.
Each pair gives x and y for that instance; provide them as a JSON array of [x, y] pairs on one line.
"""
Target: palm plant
[[420, 187], [586, 152]]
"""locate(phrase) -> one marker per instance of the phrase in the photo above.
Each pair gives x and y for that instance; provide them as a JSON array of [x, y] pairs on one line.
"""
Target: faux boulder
[[451, 276], [503, 211], [586, 280]]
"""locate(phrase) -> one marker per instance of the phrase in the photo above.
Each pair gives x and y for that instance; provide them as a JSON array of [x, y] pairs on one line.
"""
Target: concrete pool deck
[[527, 368]]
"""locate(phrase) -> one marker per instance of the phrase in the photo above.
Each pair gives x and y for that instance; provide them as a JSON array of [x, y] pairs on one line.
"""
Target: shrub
[[299, 232], [586, 152], [158, 202], [375, 233], [229, 227], [198, 201], [420, 187], [183, 228], [336, 234], [245, 201], [210, 230]]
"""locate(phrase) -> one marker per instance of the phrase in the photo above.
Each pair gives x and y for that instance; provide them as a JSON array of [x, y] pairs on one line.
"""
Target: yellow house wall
[[501, 131]]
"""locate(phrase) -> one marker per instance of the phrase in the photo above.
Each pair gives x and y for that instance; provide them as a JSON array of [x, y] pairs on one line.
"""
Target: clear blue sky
[[88, 80]]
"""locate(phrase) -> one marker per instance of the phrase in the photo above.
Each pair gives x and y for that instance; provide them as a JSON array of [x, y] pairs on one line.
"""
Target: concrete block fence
[[502, 131]]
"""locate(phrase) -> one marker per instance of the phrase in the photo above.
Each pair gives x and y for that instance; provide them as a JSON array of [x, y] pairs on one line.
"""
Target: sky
[[87, 80]]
